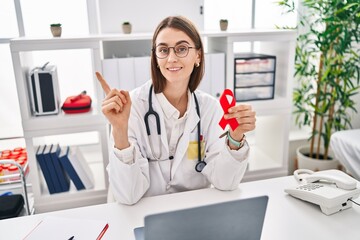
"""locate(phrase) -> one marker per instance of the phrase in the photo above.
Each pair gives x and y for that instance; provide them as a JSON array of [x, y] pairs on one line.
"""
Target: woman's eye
[[181, 49], [163, 50]]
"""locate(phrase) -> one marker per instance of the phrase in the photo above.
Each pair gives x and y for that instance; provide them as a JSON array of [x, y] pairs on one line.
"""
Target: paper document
[[62, 228]]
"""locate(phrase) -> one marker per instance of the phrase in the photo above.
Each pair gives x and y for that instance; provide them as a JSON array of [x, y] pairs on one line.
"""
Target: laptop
[[233, 220]]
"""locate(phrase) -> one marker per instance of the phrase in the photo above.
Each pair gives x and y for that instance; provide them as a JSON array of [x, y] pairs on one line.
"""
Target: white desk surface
[[286, 217]]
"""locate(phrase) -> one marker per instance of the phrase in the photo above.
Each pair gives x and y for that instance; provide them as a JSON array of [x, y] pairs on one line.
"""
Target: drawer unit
[[254, 76]]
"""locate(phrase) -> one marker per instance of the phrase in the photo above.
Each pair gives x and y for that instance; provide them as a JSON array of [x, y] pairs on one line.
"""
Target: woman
[[159, 155]]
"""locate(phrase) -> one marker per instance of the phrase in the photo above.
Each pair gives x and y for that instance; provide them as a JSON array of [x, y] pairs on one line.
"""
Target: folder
[[142, 71], [40, 159], [51, 168], [126, 73], [62, 228], [68, 167], [62, 177], [81, 167], [111, 72]]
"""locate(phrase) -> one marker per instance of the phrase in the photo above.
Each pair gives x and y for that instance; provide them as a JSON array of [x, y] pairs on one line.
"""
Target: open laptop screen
[[233, 220]]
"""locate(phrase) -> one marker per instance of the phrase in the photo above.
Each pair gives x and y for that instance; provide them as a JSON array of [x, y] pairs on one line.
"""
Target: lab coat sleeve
[[129, 180], [225, 167]]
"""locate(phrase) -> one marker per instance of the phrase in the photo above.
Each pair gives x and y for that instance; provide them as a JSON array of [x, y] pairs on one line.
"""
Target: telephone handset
[[331, 189]]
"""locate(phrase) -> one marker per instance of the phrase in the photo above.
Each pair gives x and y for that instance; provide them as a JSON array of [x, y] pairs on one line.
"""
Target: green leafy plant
[[55, 25], [327, 68], [223, 20], [126, 23]]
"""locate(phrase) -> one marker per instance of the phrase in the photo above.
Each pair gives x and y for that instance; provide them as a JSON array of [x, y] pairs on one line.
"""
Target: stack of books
[[61, 165]]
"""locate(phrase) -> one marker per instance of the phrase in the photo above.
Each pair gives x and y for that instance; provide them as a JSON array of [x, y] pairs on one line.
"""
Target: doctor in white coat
[[160, 129]]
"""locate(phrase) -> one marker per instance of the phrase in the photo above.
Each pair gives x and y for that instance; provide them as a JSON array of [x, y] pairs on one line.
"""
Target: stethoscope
[[201, 163]]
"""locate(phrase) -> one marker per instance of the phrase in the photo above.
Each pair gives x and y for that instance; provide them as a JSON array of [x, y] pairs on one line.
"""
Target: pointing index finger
[[105, 86]]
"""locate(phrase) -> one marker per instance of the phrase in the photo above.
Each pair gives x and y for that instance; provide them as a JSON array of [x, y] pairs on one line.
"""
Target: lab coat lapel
[[190, 126]]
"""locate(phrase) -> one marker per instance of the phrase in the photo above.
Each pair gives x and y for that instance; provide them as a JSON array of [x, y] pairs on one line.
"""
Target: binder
[[111, 72], [63, 178], [68, 167], [142, 71], [81, 167], [126, 71], [51, 168], [40, 159]]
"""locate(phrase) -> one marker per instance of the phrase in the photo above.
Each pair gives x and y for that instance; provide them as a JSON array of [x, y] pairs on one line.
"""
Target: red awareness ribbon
[[225, 106]]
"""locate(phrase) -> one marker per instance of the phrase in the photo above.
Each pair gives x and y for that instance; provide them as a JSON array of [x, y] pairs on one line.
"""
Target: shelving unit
[[269, 142], [65, 129]]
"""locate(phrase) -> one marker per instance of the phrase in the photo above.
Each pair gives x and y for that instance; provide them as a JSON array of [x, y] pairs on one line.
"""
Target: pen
[[71, 238]]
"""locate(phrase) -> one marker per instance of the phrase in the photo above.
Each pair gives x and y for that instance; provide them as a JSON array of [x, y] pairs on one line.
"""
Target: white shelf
[[46, 129], [61, 120]]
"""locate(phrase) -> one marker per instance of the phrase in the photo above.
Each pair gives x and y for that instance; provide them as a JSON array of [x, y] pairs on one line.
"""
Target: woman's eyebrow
[[182, 41], [177, 43]]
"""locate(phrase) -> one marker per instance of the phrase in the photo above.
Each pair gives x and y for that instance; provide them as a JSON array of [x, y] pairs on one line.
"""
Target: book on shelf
[[60, 173], [44, 169], [51, 168], [81, 167], [64, 160]]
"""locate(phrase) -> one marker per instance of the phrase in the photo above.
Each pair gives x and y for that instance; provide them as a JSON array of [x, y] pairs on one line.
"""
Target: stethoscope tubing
[[200, 164]]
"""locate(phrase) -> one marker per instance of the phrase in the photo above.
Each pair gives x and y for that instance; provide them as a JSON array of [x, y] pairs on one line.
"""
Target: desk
[[286, 217]]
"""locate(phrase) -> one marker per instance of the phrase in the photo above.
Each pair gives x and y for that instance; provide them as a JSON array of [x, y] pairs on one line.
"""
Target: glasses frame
[[154, 50]]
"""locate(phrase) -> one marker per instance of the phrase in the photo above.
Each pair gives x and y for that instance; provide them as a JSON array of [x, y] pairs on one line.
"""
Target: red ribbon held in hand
[[225, 106]]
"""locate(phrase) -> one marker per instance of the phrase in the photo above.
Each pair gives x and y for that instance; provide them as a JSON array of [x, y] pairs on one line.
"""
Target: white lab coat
[[130, 181]]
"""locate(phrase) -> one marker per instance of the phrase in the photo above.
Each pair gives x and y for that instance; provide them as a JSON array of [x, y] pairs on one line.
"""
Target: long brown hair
[[186, 26]]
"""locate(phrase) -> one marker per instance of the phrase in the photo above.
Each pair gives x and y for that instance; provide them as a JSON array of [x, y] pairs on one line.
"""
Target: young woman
[[165, 133]]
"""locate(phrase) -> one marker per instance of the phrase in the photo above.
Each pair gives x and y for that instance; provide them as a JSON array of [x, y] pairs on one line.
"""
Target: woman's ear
[[198, 58]]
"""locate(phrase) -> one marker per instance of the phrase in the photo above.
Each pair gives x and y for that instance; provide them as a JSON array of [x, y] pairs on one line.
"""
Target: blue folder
[[68, 167], [62, 177], [44, 169], [51, 168]]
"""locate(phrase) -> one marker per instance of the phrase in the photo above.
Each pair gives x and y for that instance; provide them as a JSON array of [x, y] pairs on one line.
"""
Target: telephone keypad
[[310, 186]]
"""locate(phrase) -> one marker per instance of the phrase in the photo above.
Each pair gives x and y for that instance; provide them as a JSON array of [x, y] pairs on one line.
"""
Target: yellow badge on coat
[[192, 151]]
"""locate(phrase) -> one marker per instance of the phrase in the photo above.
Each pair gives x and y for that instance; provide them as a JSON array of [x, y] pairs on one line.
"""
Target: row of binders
[[62, 165]]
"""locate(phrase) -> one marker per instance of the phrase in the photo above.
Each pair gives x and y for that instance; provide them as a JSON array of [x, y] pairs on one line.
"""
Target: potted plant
[[126, 27], [56, 29], [223, 24], [327, 70]]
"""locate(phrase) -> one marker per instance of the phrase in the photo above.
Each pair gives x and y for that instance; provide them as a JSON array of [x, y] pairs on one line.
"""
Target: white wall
[[146, 15]]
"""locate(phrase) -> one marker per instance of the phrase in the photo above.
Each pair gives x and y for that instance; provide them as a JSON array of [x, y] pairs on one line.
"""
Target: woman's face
[[176, 69]]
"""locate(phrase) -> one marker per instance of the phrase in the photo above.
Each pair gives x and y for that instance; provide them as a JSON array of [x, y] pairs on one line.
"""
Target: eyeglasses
[[180, 51]]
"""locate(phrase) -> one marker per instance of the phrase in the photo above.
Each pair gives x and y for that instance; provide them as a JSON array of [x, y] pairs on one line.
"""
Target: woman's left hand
[[245, 116]]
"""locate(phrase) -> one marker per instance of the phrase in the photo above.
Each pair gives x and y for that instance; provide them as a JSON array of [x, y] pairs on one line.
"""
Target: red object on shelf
[[77, 104]]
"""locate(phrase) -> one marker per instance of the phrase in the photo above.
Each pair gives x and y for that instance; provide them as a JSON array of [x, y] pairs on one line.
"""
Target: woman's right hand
[[116, 108]]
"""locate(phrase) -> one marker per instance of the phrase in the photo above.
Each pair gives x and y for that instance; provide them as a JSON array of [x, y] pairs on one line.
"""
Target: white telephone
[[331, 189]]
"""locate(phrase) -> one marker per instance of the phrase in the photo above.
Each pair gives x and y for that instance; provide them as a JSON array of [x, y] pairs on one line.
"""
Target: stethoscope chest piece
[[200, 166]]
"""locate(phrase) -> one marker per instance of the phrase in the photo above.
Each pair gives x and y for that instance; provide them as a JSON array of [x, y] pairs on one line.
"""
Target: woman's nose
[[172, 56]]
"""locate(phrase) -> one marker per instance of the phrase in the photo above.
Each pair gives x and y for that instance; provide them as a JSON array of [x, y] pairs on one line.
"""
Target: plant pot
[[126, 28], [223, 25], [56, 31], [305, 162]]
